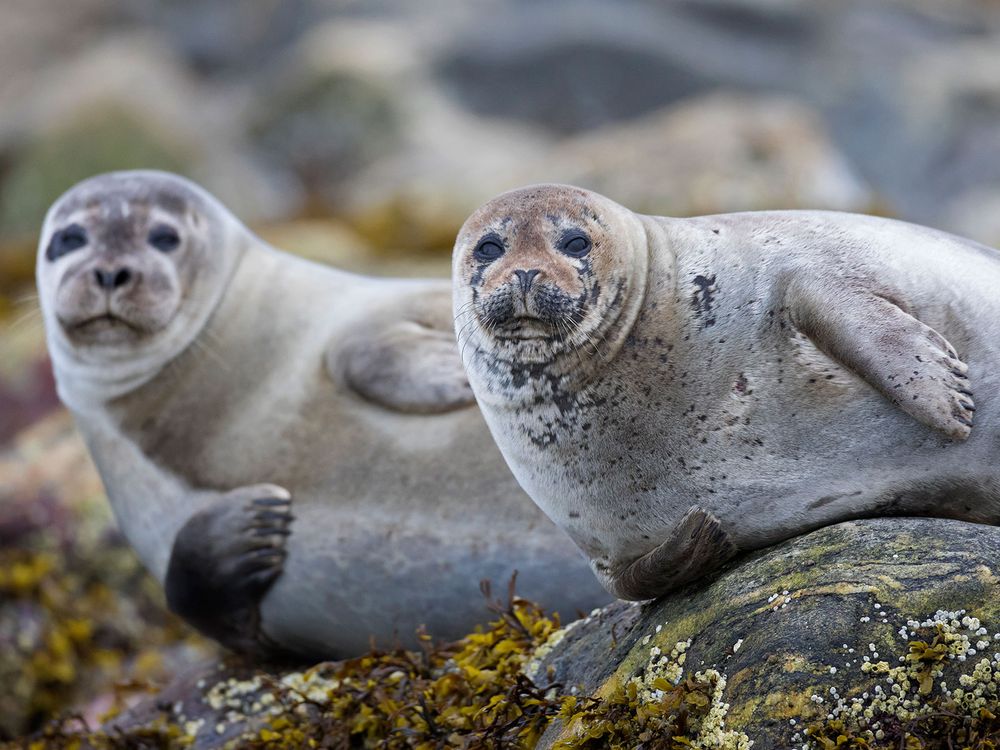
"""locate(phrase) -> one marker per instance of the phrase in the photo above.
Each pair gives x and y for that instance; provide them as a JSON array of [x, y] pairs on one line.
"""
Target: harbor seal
[[675, 391], [294, 451]]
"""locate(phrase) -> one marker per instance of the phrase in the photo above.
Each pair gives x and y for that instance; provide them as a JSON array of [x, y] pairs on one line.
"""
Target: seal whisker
[[566, 332], [464, 308], [31, 315], [206, 348]]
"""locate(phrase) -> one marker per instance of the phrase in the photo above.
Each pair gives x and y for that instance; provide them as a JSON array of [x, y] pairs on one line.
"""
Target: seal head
[[544, 274], [130, 265]]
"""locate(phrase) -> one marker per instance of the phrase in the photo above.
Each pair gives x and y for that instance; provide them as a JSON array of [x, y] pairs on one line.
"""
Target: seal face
[[546, 283], [117, 258], [290, 449], [673, 391]]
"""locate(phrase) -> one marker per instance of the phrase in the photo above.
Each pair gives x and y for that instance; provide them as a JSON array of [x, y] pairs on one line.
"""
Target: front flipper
[[906, 361], [406, 367], [224, 560], [697, 545]]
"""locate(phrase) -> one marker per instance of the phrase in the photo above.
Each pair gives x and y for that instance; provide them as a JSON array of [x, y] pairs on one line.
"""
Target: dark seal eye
[[65, 241], [575, 244], [489, 248], [164, 238]]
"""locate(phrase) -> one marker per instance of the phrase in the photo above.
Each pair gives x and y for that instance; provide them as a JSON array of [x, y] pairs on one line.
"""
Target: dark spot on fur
[[703, 299]]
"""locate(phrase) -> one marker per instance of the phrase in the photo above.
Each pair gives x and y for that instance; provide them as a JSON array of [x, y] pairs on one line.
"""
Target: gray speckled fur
[[741, 375], [281, 371]]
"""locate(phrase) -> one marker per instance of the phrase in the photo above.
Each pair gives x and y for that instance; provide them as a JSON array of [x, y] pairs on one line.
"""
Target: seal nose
[[526, 277], [113, 278]]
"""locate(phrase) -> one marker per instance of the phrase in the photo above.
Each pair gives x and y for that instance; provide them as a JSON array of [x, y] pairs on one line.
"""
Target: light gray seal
[[293, 450], [675, 391]]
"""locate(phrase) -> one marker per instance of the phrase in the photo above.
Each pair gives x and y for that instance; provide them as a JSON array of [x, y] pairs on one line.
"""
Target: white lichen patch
[[233, 693], [312, 685], [907, 686], [664, 669], [238, 700], [713, 734], [661, 666]]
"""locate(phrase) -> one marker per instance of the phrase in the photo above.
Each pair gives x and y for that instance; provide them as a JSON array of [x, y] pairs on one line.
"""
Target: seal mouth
[[100, 322], [523, 328], [104, 328]]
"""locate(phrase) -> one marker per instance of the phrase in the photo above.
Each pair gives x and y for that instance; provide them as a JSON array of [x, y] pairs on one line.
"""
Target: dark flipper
[[697, 545], [224, 559]]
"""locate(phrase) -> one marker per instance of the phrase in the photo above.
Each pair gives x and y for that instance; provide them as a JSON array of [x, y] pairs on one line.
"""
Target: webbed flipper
[[224, 560], [406, 367], [906, 361]]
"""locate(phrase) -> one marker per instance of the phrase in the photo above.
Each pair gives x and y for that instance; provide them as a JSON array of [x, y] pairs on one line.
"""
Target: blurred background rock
[[362, 134]]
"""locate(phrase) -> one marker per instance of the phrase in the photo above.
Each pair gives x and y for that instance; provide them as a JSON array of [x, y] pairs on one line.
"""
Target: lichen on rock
[[792, 629]]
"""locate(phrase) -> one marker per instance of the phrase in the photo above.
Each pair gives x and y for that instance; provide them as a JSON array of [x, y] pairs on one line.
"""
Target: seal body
[[293, 450], [686, 389]]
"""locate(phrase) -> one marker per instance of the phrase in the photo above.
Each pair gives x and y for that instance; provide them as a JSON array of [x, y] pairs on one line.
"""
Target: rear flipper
[[224, 560], [697, 545]]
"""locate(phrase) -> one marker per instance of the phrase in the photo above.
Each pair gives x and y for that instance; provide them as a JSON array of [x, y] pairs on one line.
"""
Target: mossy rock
[[835, 634]]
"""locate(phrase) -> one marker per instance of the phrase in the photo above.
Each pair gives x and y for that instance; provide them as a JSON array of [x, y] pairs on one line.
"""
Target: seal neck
[[614, 332]]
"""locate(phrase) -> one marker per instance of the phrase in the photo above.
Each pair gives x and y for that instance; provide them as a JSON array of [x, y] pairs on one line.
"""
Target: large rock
[[849, 624], [334, 106]]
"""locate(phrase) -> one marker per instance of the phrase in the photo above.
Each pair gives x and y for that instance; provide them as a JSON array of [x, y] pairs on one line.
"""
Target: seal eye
[[488, 249], [575, 244], [164, 238], [65, 241]]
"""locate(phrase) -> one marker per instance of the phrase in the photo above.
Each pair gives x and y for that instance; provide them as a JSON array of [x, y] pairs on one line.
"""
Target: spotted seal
[[294, 451], [675, 391]]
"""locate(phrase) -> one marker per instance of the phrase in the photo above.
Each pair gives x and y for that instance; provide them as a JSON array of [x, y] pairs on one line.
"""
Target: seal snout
[[525, 278], [116, 278]]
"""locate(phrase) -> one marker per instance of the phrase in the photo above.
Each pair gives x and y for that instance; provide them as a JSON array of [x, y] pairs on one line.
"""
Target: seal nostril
[[123, 277], [105, 280], [526, 277]]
